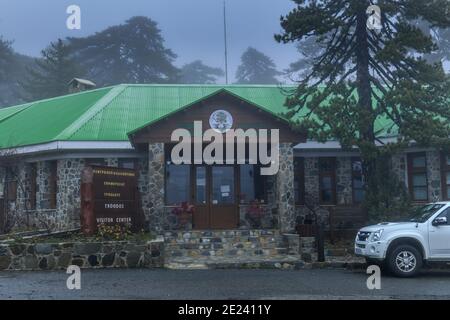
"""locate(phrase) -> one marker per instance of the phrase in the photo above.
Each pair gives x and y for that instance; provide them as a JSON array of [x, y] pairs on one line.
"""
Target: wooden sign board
[[109, 196]]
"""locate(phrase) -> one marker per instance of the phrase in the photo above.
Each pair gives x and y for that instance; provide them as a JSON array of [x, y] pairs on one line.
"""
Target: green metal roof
[[109, 114]]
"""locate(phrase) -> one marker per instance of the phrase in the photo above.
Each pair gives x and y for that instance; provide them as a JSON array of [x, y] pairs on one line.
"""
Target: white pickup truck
[[404, 247]]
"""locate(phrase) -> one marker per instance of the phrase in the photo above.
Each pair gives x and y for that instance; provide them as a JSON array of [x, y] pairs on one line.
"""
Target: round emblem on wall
[[221, 121]]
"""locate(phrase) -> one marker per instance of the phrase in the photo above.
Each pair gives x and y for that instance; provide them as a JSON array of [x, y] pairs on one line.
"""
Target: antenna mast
[[225, 39]]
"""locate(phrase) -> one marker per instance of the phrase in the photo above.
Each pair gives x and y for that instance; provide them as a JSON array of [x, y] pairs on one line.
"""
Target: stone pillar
[[398, 164], [68, 196], [285, 188], [434, 175], [155, 213], [344, 181], [43, 185], [312, 180]]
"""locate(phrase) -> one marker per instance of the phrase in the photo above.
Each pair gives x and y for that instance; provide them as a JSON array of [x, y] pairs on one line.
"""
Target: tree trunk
[[366, 122]]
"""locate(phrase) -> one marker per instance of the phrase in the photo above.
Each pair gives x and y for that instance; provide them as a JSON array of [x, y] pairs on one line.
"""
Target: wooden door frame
[[209, 180]]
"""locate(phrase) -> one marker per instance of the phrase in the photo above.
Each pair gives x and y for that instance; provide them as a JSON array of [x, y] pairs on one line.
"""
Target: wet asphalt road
[[221, 284]]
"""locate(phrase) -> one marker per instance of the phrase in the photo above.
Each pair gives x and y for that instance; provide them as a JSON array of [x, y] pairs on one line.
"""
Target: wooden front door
[[215, 197]]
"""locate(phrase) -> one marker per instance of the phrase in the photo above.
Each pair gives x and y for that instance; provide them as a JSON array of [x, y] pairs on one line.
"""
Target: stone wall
[[279, 207], [285, 189], [154, 212], [398, 165], [49, 256], [434, 176], [312, 180], [143, 184], [68, 197], [344, 191]]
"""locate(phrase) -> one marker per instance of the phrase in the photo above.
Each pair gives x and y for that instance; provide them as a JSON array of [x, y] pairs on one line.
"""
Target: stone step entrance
[[231, 248]]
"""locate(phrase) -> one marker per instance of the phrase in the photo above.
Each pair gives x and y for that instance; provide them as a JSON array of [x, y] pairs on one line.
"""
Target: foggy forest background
[[135, 52]]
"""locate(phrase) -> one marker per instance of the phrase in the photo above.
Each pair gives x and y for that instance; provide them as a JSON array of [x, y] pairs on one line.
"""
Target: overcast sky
[[193, 29]]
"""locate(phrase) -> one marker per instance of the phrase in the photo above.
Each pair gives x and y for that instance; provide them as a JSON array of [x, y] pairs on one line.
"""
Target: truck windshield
[[424, 213]]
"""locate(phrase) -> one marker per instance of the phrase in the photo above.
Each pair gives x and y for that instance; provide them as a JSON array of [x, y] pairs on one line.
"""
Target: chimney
[[78, 85]]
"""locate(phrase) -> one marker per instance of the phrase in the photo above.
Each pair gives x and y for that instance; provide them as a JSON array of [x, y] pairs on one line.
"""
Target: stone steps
[[286, 262], [186, 249]]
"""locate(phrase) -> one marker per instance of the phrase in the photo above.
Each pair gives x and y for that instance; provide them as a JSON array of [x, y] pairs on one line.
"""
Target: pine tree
[[6, 59], [198, 73], [53, 72], [442, 39], [130, 53], [364, 75], [256, 68]]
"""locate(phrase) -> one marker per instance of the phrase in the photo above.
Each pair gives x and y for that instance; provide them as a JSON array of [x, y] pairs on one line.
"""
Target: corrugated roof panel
[[109, 114], [136, 106], [44, 120], [8, 112]]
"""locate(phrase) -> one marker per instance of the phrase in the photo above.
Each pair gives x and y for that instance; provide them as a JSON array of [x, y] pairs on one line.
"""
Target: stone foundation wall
[[46, 256]]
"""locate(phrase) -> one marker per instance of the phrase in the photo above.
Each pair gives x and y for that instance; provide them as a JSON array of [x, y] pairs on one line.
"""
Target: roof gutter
[[68, 145]]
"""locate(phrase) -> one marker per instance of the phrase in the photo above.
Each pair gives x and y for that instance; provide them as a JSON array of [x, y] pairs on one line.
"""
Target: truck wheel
[[405, 261]]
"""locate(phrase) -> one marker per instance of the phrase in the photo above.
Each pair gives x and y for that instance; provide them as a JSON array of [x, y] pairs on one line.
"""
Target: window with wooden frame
[[417, 176], [357, 181], [33, 186], [327, 181], [53, 184], [11, 190], [445, 175], [177, 180], [299, 180], [252, 185]]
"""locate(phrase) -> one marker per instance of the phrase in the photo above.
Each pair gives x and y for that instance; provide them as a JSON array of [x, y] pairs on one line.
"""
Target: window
[[445, 176], [127, 163], [327, 180], [177, 184], [299, 180], [53, 184], [357, 181], [417, 176], [33, 186], [200, 185], [178, 180], [11, 189], [252, 183]]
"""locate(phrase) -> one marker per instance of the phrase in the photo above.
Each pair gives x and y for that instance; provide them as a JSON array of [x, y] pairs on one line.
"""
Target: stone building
[[46, 144]]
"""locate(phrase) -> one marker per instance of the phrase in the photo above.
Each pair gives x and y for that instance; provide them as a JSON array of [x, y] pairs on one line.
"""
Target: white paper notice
[[225, 189]]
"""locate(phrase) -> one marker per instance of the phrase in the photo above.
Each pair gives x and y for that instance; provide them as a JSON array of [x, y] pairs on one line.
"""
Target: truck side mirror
[[439, 221]]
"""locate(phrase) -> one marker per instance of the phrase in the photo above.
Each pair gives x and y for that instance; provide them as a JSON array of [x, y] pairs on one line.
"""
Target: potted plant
[[184, 214]]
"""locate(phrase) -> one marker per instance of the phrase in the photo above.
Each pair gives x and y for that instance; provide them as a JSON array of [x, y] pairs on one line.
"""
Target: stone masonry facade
[[285, 188], [281, 211]]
